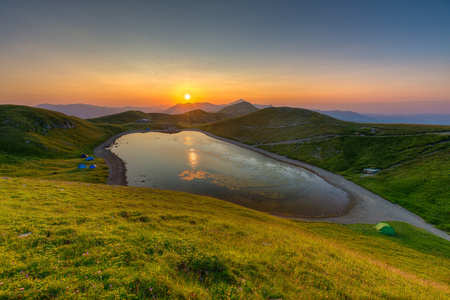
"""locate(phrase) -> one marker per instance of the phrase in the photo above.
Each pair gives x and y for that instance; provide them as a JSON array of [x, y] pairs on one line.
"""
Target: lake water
[[193, 162]]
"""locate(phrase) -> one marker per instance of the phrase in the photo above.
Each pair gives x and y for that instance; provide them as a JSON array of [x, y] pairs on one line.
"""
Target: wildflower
[[21, 272], [27, 275], [21, 289], [99, 271], [1, 283], [109, 285]]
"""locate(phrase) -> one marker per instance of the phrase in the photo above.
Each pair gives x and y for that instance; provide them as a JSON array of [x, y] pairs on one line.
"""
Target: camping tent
[[384, 228], [84, 155], [82, 166], [89, 158], [92, 166]]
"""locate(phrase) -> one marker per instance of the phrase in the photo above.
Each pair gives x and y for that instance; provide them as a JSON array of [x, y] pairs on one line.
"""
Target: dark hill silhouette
[[238, 109], [87, 111]]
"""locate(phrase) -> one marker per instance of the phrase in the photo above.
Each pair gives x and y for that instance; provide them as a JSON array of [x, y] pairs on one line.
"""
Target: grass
[[57, 169], [129, 118], [109, 242], [419, 185], [413, 158], [37, 143], [72, 240]]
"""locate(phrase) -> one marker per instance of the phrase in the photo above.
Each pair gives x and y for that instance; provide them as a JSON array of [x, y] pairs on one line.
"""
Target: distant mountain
[[423, 118], [349, 116], [87, 111], [260, 106], [239, 109], [426, 119], [181, 108]]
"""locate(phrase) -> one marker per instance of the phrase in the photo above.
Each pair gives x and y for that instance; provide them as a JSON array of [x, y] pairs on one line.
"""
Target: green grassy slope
[[121, 118], [157, 119], [41, 143], [414, 160], [105, 242]]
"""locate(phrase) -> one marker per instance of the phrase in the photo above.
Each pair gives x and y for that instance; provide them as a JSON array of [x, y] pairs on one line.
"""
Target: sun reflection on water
[[193, 159], [188, 140]]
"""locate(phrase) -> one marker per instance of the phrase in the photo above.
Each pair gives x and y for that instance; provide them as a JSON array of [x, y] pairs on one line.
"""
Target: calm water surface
[[193, 162]]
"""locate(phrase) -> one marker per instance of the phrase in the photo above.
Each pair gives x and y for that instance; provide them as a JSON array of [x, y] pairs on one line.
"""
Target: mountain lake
[[193, 162]]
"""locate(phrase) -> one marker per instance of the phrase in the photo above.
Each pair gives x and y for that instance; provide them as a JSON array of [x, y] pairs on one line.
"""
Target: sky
[[366, 56]]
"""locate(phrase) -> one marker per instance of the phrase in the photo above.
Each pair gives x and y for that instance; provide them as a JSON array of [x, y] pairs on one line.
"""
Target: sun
[[187, 96]]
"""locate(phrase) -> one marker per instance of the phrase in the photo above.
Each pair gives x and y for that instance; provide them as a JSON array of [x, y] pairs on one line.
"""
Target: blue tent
[[92, 166], [82, 166], [89, 158], [84, 155]]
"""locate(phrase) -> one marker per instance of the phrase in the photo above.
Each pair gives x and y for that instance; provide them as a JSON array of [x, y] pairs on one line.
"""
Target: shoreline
[[365, 206]]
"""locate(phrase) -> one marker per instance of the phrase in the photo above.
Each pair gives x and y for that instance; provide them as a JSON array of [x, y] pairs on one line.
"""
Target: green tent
[[384, 228]]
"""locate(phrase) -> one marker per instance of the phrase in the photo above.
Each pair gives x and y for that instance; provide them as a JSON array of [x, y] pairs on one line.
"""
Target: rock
[[25, 234]]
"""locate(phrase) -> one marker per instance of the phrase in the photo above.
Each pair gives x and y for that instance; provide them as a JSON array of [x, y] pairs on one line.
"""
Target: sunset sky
[[364, 56]]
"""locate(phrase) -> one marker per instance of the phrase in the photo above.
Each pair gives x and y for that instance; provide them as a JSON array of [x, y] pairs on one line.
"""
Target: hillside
[[87, 111], [346, 148], [121, 118], [156, 120], [65, 240], [239, 109], [73, 240], [36, 142]]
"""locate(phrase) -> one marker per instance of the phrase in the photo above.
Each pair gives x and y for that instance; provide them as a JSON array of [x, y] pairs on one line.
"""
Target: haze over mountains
[[423, 118], [87, 111]]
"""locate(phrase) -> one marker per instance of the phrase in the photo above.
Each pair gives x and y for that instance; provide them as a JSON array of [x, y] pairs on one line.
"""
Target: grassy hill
[[109, 242], [239, 109], [414, 159], [46, 144], [121, 118], [69, 240], [156, 120]]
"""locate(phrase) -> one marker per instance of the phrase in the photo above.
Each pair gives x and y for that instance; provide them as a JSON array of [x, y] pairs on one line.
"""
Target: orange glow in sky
[[366, 57]]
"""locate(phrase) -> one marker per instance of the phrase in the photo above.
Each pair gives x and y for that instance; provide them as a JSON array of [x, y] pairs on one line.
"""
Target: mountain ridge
[[239, 108], [88, 111]]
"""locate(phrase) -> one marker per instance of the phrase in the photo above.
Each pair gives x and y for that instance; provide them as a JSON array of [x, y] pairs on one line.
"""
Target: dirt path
[[117, 170], [368, 207]]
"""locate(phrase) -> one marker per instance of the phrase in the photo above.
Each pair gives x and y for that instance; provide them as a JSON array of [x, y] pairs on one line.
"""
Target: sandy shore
[[367, 207]]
